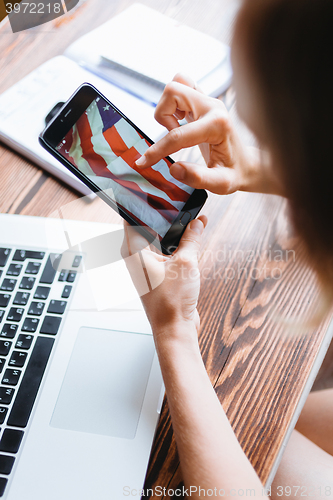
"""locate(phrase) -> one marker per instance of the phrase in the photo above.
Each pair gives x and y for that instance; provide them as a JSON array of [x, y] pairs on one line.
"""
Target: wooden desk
[[253, 270]]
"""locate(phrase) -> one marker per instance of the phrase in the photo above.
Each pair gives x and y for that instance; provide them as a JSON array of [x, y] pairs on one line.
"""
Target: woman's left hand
[[173, 281]]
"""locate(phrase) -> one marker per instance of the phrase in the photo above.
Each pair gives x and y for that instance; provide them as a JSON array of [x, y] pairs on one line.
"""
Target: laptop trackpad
[[105, 383]]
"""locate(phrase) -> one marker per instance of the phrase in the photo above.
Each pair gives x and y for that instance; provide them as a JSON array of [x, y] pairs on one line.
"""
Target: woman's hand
[[231, 166], [210, 454], [173, 281]]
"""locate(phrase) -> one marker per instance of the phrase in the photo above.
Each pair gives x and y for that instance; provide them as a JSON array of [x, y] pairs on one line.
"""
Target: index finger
[[185, 136], [176, 96]]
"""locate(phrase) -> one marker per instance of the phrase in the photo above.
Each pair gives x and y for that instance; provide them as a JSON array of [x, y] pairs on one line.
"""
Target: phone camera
[[53, 112]]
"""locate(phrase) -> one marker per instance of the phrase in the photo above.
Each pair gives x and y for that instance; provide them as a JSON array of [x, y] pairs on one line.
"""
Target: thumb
[[217, 179], [191, 239]]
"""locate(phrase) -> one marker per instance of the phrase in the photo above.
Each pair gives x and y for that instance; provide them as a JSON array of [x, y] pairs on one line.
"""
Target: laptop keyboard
[[33, 300]]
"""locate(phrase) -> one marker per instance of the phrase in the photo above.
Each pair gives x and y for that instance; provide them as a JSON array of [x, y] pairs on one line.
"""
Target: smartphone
[[99, 144]]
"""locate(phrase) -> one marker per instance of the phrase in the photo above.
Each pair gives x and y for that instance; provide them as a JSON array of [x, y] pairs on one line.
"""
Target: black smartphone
[[100, 145]]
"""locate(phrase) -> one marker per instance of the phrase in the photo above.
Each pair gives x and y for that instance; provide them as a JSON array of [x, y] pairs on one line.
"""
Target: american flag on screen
[[104, 147]]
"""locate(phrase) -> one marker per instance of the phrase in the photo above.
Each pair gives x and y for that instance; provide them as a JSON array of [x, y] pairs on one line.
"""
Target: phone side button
[[185, 218]]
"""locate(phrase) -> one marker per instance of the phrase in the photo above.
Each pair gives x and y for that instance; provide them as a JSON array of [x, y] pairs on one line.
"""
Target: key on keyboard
[[4, 299], [4, 254], [8, 330]]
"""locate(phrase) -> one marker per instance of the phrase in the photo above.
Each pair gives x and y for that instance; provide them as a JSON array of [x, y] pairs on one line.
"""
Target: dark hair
[[289, 48]]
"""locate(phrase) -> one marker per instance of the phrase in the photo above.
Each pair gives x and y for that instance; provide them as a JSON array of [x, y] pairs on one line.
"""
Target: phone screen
[[103, 146]]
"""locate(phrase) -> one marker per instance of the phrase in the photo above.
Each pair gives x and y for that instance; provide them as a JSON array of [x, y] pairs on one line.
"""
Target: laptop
[[80, 383]]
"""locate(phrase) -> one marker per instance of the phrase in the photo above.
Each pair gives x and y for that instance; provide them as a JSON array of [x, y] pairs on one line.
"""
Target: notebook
[[141, 50]]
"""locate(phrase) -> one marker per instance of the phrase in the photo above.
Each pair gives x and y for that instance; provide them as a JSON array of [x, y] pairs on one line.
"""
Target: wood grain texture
[[256, 360], [255, 342]]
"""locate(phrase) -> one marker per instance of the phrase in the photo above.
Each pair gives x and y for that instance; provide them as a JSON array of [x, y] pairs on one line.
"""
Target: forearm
[[209, 452], [316, 419]]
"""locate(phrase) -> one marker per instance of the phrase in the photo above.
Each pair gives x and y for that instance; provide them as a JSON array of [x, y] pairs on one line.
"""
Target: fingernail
[[197, 226], [141, 161], [178, 172]]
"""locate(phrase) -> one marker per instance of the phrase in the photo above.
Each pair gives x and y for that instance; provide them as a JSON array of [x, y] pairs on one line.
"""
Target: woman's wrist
[[178, 352], [181, 334], [259, 176], [254, 179]]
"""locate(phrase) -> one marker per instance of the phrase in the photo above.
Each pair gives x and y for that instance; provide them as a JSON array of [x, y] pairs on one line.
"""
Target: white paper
[[156, 46], [200, 56]]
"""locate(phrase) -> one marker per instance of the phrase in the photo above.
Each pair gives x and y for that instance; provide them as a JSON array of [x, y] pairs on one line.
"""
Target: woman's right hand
[[231, 166]]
